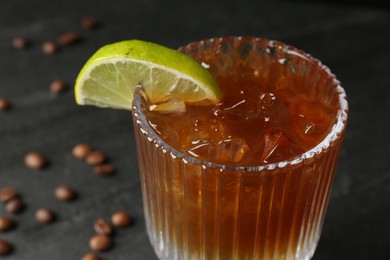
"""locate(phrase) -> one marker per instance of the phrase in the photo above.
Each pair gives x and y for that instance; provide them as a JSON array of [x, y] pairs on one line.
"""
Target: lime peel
[[109, 77]]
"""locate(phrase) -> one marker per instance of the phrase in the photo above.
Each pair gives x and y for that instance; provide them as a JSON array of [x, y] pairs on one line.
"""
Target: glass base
[[166, 251]]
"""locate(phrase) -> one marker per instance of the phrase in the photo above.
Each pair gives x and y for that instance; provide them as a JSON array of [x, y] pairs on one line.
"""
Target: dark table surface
[[352, 40]]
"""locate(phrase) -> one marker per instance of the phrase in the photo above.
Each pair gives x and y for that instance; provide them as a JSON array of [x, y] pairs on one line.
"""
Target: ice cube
[[200, 149], [163, 128], [279, 147], [201, 138], [232, 150], [271, 139], [196, 137], [267, 99], [310, 123], [275, 110], [240, 109], [224, 151], [203, 129], [264, 103], [175, 105]]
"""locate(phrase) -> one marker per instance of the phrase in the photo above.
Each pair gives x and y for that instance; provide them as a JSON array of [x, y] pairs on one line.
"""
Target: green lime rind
[[116, 69]]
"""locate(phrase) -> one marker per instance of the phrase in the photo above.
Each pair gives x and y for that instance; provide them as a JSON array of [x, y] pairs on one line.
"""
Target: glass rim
[[335, 133]]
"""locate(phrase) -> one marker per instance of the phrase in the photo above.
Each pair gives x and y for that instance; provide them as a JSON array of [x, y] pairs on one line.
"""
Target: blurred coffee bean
[[20, 43], [5, 247], [102, 227], [95, 158], [7, 194], [100, 243], [80, 151], [58, 86], [120, 219], [90, 256], [4, 104], [44, 215], [14, 205], [104, 169], [69, 38], [49, 47], [6, 223], [35, 160], [65, 193], [89, 23]]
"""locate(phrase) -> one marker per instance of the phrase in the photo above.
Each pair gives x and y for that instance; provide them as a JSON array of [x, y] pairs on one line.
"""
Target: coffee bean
[[49, 47], [44, 215], [104, 169], [7, 194], [58, 86], [102, 227], [69, 38], [95, 158], [35, 160], [6, 223], [65, 193], [80, 151], [90, 256], [100, 243], [5, 247], [20, 43], [89, 23], [120, 219], [14, 205], [4, 104]]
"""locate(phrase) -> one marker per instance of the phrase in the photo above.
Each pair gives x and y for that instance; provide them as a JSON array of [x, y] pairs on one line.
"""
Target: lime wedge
[[110, 76]]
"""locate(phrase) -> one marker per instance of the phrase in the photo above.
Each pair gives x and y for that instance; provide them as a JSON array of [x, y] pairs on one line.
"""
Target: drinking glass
[[196, 209]]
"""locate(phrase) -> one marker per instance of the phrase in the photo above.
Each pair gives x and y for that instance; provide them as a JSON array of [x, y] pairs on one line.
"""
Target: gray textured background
[[352, 40]]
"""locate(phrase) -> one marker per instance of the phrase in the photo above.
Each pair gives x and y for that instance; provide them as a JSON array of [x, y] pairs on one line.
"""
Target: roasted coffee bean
[[120, 219], [102, 227], [65, 193], [58, 86], [5, 247], [44, 215], [95, 158], [104, 169], [14, 205], [35, 160], [89, 23], [4, 104], [69, 38], [100, 243], [90, 256], [6, 223], [49, 47], [80, 151], [7, 194], [20, 43]]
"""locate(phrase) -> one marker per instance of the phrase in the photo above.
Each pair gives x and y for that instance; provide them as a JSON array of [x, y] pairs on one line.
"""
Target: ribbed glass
[[202, 210]]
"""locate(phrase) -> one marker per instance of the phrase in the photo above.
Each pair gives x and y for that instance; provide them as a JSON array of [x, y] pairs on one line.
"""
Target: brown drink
[[249, 177]]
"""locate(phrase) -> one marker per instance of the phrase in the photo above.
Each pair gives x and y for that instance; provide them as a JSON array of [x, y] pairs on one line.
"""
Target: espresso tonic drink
[[250, 176]]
